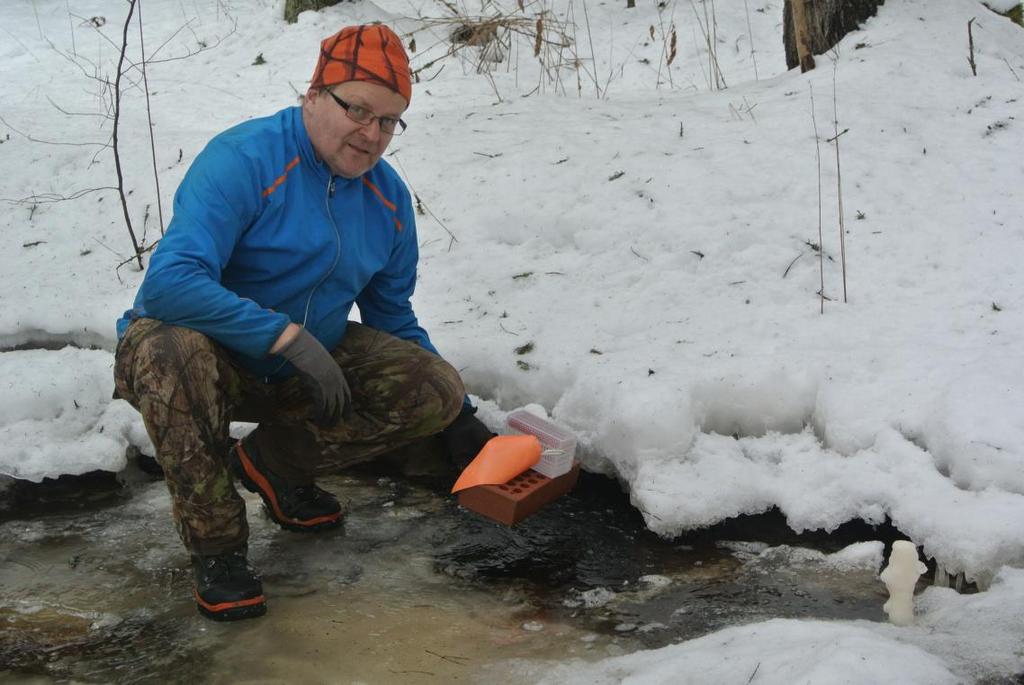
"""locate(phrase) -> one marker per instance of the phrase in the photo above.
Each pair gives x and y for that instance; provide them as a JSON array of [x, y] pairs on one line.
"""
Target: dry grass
[[491, 38]]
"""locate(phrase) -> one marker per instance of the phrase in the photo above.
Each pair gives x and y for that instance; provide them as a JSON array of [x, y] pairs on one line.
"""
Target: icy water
[[95, 588]]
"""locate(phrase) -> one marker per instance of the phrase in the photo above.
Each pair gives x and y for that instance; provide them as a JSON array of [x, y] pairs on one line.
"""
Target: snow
[[957, 638], [778, 651], [656, 244], [64, 395], [859, 556], [1002, 5]]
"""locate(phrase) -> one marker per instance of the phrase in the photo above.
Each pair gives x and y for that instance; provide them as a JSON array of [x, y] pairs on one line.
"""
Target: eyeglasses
[[361, 115]]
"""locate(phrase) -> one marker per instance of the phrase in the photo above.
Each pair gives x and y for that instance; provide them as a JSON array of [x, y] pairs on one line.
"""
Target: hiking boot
[[464, 438], [301, 508], [227, 589]]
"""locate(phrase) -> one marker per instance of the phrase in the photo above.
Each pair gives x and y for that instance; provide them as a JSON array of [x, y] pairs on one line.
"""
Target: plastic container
[[559, 444]]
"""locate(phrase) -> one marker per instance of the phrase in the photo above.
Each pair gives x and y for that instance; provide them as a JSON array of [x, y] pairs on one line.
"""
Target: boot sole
[[256, 483], [232, 611]]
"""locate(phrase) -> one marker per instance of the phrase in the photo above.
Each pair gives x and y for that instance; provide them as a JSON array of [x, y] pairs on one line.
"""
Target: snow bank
[[56, 416], [956, 639], [777, 652]]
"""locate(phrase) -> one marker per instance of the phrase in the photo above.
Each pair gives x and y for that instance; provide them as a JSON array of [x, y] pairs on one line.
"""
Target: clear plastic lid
[[552, 436]]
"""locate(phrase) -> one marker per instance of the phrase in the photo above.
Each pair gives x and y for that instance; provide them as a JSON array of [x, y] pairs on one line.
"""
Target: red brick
[[522, 496]]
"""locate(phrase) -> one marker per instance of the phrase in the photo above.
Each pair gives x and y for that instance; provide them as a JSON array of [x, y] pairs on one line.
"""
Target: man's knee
[[155, 354], [426, 398], [452, 391]]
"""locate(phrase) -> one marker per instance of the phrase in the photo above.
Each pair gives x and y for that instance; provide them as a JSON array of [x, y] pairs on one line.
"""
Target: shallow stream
[[95, 587]]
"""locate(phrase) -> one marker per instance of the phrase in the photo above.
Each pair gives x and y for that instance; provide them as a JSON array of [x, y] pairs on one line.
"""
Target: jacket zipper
[[337, 250], [337, 258]]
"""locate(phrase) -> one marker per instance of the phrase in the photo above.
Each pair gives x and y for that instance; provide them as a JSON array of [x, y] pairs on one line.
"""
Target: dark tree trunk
[[292, 8], [827, 21]]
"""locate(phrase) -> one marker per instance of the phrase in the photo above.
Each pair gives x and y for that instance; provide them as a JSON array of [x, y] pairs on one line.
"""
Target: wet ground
[[95, 588]]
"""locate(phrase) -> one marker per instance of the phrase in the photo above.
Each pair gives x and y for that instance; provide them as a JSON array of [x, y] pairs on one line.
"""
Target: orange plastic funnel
[[503, 458]]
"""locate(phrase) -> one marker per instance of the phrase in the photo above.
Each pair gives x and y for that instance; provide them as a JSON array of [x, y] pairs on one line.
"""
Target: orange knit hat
[[364, 53]]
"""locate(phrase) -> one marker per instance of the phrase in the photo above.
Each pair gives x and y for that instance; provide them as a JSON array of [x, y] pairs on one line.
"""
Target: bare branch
[[149, 119], [45, 198], [786, 272], [422, 204], [24, 47], [821, 251], [75, 60], [970, 43], [1011, 69], [77, 114], [148, 248], [202, 48], [117, 113], [48, 142], [839, 174], [187, 24]]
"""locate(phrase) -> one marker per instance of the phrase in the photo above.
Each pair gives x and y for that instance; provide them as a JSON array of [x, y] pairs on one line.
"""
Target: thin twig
[[1011, 69], [149, 119], [75, 60], [452, 658], [48, 142], [107, 247], [786, 272], [71, 26], [970, 43], [836, 136], [714, 39], [839, 177], [76, 114], [750, 32], [46, 198], [24, 47], [186, 25], [117, 113], [192, 53], [452, 238], [817, 154], [148, 248], [714, 70], [38, 25], [590, 38]]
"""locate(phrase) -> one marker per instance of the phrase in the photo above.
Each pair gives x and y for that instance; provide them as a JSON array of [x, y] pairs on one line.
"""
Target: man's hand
[[465, 437], [321, 375]]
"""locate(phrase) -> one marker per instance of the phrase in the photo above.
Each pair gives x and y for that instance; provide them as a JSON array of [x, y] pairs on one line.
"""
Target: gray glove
[[322, 377]]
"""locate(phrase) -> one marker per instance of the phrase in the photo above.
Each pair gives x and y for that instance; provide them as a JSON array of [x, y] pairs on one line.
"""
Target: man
[[280, 225]]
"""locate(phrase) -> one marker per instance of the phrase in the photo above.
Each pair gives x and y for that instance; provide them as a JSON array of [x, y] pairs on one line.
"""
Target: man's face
[[349, 148]]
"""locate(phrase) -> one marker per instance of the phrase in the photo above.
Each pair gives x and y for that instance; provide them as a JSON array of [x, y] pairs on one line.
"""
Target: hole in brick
[[516, 491]]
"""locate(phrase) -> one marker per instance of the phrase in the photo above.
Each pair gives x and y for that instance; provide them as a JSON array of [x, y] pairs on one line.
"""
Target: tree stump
[[802, 36], [827, 22], [292, 8]]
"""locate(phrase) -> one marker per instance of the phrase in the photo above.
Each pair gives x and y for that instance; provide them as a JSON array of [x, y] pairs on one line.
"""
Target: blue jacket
[[264, 235]]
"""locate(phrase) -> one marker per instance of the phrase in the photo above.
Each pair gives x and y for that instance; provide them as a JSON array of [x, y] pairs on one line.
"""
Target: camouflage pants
[[188, 390]]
